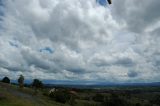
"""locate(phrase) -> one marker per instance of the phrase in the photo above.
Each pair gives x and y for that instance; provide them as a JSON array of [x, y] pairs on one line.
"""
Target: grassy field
[[12, 95]]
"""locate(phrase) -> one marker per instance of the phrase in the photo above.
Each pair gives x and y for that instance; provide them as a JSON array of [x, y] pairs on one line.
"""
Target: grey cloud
[[137, 14], [76, 70], [90, 42], [32, 59], [11, 67], [3, 63], [113, 61], [132, 74], [127, 62]]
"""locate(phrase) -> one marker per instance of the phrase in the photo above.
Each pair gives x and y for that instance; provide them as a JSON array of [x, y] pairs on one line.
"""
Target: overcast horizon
[[80, 40]]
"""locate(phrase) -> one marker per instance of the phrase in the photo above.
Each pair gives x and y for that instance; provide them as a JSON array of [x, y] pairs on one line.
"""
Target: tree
[[37, 84], [6, 80], [156, 100], [98, 98], [61, 96], [114, 100], [21, 81]]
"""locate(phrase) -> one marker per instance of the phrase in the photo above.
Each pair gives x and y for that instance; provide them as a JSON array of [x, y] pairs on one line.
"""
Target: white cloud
[[119, 42]]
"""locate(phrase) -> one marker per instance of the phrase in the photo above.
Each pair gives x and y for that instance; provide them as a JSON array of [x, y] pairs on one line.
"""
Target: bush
[[72, 101], [98, 98], [45, 93], [138, 104], [2, 97], [37, 83], [156, 100], [86, 98], [114, 100], [89, 104], [60, 96], [6, 80]]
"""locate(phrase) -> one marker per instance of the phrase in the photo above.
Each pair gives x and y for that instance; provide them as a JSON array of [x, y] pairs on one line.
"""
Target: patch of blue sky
[[102, 2], [47, 49], [1, 8]]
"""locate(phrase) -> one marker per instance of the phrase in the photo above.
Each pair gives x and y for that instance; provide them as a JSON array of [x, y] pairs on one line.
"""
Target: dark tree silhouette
[[98, 98], [6, 80], [21, 81], [36, 84], [156, 100], [62, 96]]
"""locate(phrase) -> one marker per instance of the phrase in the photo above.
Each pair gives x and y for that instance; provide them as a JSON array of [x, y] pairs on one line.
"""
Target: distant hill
[[87, 84]]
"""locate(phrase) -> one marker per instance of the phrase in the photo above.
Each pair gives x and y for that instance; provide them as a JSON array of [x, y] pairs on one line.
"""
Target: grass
[[11, 95], [10, 100]]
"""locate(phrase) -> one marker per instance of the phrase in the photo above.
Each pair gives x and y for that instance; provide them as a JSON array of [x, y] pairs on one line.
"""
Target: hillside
[[11, 95]]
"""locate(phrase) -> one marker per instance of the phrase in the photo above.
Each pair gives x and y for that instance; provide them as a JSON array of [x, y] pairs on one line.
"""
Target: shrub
[[98, 98], [156, 100], [2, 97], [90, 104], [37, 83], [114, 100], [60, 96], [6, 80], [138, 104], [72, 101]]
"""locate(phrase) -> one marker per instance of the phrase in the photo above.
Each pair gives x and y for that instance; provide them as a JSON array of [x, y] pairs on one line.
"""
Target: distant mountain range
[[89, 83]]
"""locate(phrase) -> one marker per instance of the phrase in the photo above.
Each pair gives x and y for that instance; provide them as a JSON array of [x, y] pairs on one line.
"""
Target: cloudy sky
[[84, 40]]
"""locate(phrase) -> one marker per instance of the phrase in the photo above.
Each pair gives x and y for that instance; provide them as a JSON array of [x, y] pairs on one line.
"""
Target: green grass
[[8, 98], [12, 95]]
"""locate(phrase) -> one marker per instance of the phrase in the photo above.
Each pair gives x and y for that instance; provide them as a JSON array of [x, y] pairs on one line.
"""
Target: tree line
[[36, 83]]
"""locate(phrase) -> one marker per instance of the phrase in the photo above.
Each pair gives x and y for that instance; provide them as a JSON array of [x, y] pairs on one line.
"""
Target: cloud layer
[[80, 40]]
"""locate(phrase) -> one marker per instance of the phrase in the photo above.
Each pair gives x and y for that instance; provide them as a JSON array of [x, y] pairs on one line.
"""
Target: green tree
[[114, 100], [37, 84], [6, 80], [72, 101], [21, 81], [156, 100], [98, 98], [61, 96]]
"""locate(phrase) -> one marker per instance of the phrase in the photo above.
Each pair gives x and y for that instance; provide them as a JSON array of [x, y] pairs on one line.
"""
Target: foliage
[[60, 96], [156, 100], [98, 98], [72, 101], [2, 97], [114, 100], [138, 104], [21, 81], [37, 83], [6, 80]]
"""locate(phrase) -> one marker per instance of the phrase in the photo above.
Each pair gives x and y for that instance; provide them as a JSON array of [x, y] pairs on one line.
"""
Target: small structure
[[73, 92], [52, 90]]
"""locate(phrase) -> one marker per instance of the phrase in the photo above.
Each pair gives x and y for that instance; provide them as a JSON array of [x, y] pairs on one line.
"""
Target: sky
[[80, 40]]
